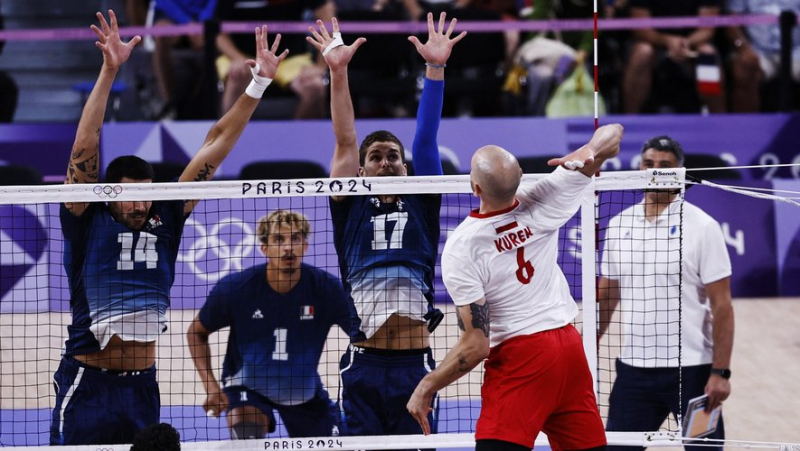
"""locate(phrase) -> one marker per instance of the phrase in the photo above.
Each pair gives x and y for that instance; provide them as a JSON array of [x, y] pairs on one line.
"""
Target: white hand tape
[[259, 84], [337, 42], [569, 165], [211, 414]]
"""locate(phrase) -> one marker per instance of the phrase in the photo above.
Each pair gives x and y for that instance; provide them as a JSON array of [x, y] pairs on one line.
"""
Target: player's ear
[[361, 171], [264, 249]]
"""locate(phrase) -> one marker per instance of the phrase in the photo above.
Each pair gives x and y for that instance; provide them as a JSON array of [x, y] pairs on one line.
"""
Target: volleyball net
[[220, 239]]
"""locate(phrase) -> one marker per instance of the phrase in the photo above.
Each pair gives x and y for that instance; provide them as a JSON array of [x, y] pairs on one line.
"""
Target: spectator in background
[[157, 437], [9, 92], [299, 73], [136, 11], [653, 50], [171, 12], [545, 61], [755, 55]]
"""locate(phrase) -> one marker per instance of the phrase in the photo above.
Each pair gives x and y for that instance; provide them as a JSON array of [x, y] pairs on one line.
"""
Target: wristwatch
[[725, 373]]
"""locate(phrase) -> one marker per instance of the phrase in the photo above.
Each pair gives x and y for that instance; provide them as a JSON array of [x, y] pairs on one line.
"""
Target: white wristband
[[337, 42], [259, 84]]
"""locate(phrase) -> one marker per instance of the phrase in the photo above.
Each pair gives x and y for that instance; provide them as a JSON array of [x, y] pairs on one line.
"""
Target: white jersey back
[[510, 258]]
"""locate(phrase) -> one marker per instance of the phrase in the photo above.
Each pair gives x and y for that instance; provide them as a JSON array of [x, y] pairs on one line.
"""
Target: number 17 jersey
[[510, 257]]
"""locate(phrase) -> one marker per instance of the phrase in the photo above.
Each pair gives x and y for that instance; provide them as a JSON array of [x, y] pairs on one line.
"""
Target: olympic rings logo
[[107, 191], [229, 255]]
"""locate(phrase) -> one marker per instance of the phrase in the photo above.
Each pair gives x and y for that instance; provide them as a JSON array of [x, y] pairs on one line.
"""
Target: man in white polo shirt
[[657, 288], [514, 305]]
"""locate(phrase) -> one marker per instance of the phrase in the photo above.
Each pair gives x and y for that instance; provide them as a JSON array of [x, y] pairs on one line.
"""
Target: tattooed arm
[[471, 349], [84, 161], [224, 134]]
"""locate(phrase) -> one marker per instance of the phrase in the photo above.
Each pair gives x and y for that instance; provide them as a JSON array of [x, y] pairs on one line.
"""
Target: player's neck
[[388, 199], [655, 203], [282, 281], [488, 207]]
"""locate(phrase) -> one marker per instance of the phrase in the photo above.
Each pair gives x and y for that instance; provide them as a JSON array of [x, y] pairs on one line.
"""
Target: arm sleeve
[[215, 313], [461, 276], [208, 11], [174, 11], [557, 197], [715, 263], [425, 149]]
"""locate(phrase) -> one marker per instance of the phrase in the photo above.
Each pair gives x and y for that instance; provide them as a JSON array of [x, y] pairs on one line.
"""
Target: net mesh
[[219, 239]]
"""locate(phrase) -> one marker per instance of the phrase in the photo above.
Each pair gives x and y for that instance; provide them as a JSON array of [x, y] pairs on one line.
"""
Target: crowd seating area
[[489, 74]]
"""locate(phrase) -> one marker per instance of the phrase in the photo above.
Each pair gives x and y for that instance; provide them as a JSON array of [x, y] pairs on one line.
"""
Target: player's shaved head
[[497, 172]]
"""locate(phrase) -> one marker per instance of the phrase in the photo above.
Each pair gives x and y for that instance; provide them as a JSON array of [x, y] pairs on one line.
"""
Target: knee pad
[[247, 430]]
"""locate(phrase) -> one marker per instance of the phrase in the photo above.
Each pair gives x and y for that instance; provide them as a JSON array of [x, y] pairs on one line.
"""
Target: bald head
[[497, 172]]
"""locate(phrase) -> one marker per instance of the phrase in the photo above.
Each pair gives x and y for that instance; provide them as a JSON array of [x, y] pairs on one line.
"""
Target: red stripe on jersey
[[506, 227]]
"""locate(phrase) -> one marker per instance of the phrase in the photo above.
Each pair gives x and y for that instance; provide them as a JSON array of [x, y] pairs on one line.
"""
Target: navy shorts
[[314, 418], [642, 398], [376, 387], [98, 407]]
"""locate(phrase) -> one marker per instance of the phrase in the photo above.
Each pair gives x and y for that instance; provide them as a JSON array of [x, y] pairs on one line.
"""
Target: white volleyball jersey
[[510, 258], [645, 259]]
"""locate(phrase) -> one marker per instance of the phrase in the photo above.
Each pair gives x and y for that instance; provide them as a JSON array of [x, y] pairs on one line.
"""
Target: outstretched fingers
[[442, 18], [99, 34], [113, 17], [103, 24]]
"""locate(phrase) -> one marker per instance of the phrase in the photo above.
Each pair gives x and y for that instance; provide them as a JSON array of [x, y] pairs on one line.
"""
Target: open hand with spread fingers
[[437, 49], [115, 52], [267, 57], [337, 55]]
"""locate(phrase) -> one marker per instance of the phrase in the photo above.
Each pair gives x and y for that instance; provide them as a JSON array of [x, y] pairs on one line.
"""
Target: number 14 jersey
[[510, 257], [119, 279]]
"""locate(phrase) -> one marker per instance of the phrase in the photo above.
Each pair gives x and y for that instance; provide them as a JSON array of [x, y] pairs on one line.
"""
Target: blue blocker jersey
[[376, 241], [115, 271]]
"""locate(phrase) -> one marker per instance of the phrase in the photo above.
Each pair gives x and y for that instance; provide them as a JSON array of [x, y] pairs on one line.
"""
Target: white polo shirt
[[510, 258], [645, 258]]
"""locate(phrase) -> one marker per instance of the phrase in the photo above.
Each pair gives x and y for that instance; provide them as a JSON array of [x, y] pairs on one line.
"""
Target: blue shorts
[[642, 398], [376, 387], [314, 418], [98, 407]]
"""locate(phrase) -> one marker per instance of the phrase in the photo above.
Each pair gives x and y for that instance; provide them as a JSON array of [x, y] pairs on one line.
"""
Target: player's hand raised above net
[[267, 57], [437, 49], [115, 52], [337, 55]]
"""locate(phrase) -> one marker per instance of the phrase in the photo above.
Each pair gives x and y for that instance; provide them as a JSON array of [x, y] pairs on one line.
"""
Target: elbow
[[213, 135]]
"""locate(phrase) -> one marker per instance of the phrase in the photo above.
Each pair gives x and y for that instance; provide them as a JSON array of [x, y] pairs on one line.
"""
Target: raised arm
[[84, 161], [337, 56], [436, 51], [588, 159], [197, 336], [472, 348], [224, 134]]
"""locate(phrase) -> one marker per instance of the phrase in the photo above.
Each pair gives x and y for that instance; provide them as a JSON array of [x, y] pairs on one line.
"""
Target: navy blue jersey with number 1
[[276, 340]]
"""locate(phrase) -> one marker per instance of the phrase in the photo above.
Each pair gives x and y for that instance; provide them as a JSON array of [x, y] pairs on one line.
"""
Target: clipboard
[[697, 423]]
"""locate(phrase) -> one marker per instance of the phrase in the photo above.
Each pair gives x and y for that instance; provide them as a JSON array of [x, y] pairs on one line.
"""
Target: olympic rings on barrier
[[229, 255]]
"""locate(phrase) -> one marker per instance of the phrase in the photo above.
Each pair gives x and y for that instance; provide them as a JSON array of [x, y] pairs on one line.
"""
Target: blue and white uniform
[[275, 343], [119, 281], [387, 254]]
